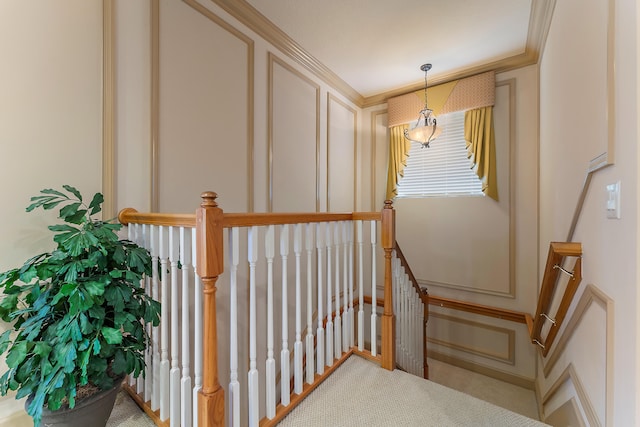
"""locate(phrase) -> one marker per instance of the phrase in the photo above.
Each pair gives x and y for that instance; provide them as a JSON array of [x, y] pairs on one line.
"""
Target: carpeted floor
[[413, 402], [127, 414], [361, 393], [509, 396]]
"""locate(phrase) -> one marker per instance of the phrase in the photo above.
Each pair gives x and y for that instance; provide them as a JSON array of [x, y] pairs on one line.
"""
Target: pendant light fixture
[[425, 129]]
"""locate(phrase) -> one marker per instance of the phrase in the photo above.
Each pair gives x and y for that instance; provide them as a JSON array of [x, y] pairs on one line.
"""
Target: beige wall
[[472, 248], [132, 41], [595, 358], [50, 120]]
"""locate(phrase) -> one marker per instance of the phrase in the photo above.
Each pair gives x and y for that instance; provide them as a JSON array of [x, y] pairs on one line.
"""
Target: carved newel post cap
[[208, 199]]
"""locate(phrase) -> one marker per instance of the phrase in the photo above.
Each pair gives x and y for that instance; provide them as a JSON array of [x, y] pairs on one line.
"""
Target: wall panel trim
[[374, 146], [271, 61], [510, 335], [570, 374], [108, 111], [333, 98], [591, 294], [518, 380]]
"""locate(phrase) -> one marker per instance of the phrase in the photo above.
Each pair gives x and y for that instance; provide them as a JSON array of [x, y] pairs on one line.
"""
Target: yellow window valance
[[465, 94]]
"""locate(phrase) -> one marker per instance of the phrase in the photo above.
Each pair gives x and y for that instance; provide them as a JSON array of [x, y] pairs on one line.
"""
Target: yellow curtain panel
[[480, 138], [398, 152]]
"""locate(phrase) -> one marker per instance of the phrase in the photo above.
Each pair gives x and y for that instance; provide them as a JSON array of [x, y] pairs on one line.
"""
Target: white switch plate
[[613, 201]]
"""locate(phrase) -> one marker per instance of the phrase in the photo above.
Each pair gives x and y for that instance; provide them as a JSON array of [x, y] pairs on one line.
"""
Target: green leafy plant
[[79, 312]]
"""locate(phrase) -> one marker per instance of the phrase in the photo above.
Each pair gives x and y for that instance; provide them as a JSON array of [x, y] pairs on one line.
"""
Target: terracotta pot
[[92, 411]]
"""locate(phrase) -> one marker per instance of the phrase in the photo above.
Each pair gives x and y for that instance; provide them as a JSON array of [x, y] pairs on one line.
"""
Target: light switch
[[613, 201]]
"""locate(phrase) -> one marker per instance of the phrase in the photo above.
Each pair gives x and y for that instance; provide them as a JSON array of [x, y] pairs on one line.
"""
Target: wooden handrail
[[484, 310], [424, 295], [130, 215], [557, 252]]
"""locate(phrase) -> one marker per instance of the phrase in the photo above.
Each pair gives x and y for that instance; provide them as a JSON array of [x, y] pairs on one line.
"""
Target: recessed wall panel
[[203, 96], [341, 145], [293, 141], [473, 338]]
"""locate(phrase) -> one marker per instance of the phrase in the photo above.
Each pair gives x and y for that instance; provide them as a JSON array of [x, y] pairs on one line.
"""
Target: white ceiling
[[377, 46]]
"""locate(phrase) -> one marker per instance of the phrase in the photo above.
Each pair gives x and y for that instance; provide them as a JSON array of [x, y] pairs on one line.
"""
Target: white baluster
[[269, 248], [254, 398], [329, 325], [197, 320], [404, 309], [320, 330], [185, 381], [285, 376], [360, 286], [143, 386], [154, 378], [164, 326], [396, 305], [352, 330], [132, 235], [174, 374], [234, 385], [345, 288], [337, 345], [309, 247], [374, 314], [297, 348], [416, 311]]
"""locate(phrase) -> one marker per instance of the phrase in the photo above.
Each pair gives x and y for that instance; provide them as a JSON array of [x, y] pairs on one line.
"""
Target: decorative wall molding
[[271, 61], [607, 157], [374, 146], [570, 374], [590, 295], [330, 99], [249, 16], [108, 110], [567, 414], [518, 380], [509, 335], [155, 96]]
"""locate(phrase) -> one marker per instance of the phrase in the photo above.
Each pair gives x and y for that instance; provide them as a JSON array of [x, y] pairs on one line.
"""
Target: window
[[443, 169]]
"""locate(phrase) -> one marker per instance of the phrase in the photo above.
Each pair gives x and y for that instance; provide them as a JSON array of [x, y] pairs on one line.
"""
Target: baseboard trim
[[528, 383]]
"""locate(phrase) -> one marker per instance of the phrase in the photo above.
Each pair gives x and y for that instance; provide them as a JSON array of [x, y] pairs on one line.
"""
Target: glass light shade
[[425, 129]]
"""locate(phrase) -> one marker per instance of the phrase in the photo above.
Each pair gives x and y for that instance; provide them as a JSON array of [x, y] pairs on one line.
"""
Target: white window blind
[[443, 169]]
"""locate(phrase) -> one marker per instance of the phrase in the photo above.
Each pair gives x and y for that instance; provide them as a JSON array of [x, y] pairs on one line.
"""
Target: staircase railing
[[412, 313], [560, 253], [334, 257]]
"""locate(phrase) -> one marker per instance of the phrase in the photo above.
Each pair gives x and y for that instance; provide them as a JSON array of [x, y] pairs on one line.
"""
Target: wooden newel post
[[210, 264], [424, 297], [388, 318]]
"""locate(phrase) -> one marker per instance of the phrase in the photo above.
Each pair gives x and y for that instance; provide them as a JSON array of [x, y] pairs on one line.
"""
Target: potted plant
[[78, 313]]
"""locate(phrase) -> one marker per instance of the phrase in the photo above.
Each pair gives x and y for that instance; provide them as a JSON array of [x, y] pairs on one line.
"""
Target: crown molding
[[539, 23], [257, 22]]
